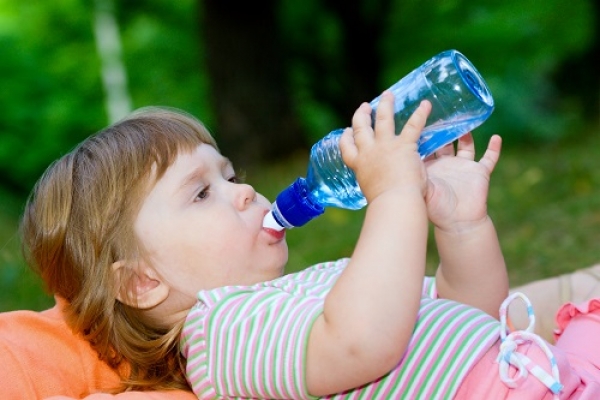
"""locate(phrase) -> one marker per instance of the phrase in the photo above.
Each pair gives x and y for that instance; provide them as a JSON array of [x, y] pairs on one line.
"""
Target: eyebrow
[[197, 173]]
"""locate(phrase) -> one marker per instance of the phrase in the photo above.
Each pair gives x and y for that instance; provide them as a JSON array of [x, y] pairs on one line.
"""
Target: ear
[[138, 287]]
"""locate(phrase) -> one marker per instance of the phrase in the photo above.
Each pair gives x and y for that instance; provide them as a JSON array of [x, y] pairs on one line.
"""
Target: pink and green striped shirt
[[250, 341]]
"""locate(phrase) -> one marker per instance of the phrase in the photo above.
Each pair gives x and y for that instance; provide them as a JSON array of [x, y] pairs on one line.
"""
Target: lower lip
[[274, 233]]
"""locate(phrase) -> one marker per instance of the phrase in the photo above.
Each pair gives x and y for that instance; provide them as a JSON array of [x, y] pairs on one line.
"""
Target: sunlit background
[[270, 78]]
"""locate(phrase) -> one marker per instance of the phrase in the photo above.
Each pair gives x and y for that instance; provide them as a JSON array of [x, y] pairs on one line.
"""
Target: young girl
[[159, 251]]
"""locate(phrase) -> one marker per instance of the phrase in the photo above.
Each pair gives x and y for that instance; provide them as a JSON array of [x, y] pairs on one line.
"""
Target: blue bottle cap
[[294, 207]]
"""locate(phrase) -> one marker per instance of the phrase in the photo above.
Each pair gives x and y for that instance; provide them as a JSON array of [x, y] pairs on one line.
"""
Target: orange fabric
[[40, 357]]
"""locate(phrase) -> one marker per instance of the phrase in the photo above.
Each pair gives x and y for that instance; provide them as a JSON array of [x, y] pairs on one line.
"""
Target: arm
[[472, 269], [370, 312]]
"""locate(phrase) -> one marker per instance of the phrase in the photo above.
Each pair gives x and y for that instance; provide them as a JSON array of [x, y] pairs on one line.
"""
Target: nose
[[244, 195]]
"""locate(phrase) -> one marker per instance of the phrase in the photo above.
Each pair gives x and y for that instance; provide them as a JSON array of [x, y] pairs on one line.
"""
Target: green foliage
[[324, 43], [51, 95], [516, 45], [162, 51]]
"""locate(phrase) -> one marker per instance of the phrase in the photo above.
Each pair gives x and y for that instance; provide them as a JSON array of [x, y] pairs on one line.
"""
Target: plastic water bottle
[[460, 100]]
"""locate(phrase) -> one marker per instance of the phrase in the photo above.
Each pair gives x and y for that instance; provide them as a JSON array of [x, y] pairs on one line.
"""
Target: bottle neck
[[294, 206]]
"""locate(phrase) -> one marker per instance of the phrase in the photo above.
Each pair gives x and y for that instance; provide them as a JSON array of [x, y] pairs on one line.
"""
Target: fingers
[[384, 121], [415, 124], [466, 150], [347, 145], [492, 153], [466, 147], [361, 124], [384, 118], [447, 150]]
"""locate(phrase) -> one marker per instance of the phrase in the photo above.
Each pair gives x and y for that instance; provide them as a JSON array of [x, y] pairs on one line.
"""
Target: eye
[[235, 179], [203, 194], [239, 177]]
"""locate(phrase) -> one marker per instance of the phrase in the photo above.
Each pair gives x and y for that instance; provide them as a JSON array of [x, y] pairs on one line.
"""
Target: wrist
[[406, 191], [464, 227]]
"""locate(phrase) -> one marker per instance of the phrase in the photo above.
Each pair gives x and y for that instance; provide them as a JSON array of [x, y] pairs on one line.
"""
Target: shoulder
[[325, 273], [233, 335], [246, 310], [283, 302]]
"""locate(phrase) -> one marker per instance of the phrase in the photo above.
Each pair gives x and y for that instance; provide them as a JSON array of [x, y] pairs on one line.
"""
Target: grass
[[545, 202]]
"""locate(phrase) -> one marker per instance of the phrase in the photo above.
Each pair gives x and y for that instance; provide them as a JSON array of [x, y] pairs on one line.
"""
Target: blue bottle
[[461, 101]]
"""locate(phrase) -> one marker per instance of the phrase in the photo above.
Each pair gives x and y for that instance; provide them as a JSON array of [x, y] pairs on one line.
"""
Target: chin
[[277, 271]]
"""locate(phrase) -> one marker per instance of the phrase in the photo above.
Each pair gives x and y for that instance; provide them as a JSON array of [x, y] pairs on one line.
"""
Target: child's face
[[203, 230]]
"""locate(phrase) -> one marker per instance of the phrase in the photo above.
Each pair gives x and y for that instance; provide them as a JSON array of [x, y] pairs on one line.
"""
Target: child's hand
[[382, 160], [458, 186]]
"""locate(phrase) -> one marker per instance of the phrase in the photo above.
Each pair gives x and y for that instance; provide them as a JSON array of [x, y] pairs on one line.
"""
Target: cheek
[[222, 240], [155, 230], [168, 247]]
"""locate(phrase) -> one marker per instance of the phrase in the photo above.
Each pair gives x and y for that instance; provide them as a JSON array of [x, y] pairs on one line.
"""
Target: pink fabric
[[579, 330], [577, 352]]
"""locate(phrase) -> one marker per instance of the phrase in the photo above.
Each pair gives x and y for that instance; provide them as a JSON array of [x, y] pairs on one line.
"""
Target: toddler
[[159, 250]]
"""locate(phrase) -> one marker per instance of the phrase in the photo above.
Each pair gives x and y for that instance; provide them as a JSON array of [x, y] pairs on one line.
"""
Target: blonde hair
[[79, 220]]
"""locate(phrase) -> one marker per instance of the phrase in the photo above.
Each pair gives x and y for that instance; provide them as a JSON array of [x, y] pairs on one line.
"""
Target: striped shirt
[[251, 341]]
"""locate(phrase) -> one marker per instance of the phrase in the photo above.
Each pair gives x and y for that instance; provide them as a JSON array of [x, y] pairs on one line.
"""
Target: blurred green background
[[271, 78]]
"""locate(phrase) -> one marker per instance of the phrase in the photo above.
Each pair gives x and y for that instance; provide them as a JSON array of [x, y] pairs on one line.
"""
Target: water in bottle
[[460, 100]]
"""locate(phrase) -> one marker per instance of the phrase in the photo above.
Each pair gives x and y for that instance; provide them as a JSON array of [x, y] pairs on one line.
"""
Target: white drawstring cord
[[509, 356]]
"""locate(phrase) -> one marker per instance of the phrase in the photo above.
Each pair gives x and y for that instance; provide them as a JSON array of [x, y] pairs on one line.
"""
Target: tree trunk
[[363, 23], [248, 81], [114, 75]]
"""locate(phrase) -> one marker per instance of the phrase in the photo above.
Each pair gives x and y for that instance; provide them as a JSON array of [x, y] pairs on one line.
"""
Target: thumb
[[492, 153]]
